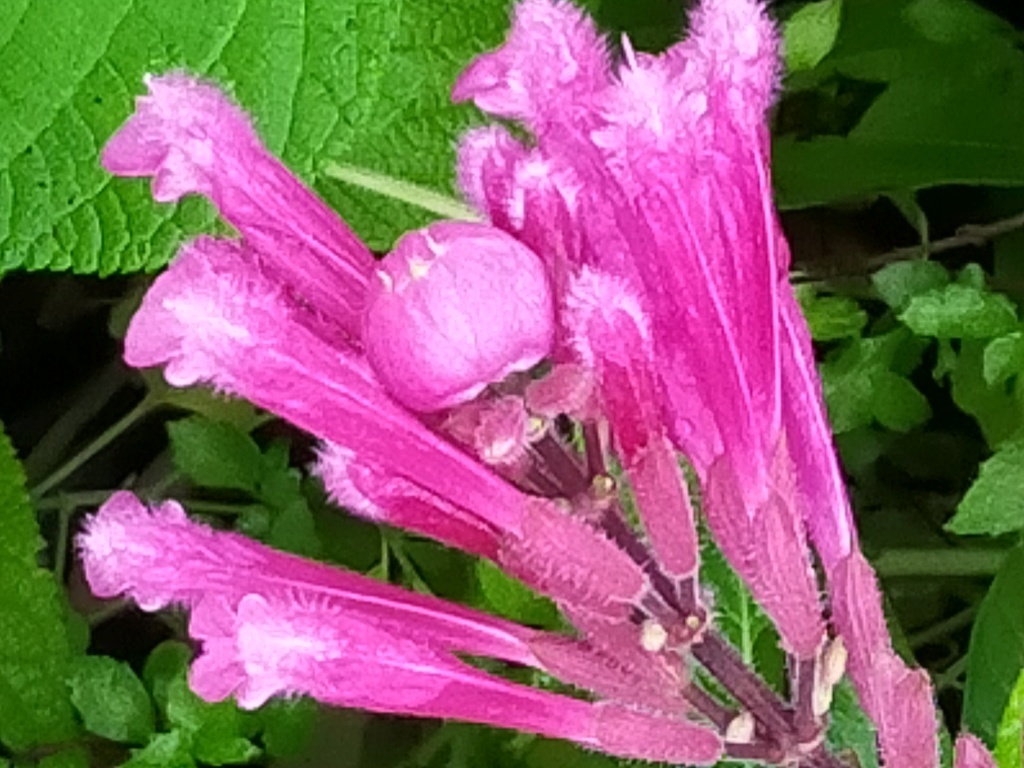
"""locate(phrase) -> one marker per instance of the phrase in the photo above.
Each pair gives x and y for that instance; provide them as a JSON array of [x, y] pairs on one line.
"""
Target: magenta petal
[[898, 699], [611, 333], [546, 73], [972, 753], [823, 493], [768, 548], [192, 139], [373, 493], [159, 556], [741, 43], [456, 306], [212, 317]]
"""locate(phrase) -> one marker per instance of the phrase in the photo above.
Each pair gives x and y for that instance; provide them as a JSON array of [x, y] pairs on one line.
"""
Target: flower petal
[[192, 139]]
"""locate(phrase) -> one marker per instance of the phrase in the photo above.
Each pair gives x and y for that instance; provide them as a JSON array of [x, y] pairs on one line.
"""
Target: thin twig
[[968, 235]]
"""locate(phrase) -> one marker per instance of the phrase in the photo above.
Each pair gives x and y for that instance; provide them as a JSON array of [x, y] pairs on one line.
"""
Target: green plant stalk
[[108, 436], [953, 562]]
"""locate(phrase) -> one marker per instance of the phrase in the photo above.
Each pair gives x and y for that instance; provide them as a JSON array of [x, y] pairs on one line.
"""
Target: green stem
[[945, 627], [60, 553], [102, 441], [413, 194], [938, 562]]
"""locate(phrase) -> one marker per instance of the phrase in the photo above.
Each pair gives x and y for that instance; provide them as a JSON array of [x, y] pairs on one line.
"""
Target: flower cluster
[[633, 248]]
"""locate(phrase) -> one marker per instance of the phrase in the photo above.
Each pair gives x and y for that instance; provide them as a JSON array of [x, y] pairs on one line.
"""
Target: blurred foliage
[[900, 123]]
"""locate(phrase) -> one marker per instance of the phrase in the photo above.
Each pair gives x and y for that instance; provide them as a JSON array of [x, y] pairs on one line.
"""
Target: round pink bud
[[455, 307]]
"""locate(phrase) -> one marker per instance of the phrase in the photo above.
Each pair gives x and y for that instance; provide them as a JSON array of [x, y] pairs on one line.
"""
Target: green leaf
[[947, 113], [363, 81], [809, 34], [740, 618], [850, 728], [994, 504], [166, 663], [215, 454], [218, 730], [866, 382], [292, 526], [76, 757], [997, 409], [111, 700], [513, 599], [288, 726], [831, 317], [1004, 357], [34, 652], [960, 312], [1009, 751], [897, 404], [996, 653], [899, 282], [165, 750]]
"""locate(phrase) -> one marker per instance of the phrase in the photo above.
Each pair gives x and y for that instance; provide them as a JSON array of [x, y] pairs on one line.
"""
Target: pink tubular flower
[[634, 246], [191, 139], [212, 317], [455, 307], [274, 624]]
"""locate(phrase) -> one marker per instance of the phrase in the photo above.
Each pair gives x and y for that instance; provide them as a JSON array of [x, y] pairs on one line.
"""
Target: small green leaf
[[897, 404], [166, 663], [34, 651], [288, 726], [218, 730], [809, 34], [165, 750], [960, 312], [850, 728], [513, 599], [996, 653], [1004, 357], [1009, 751], [997, 409], [994, 504], [76, 757], [215, 454], [831, 317], [899, 282], [111, 700]]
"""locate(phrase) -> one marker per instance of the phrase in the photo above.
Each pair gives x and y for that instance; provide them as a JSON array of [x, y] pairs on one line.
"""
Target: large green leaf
[[34, 650], [996, 654], [949, 112], [327, 80]]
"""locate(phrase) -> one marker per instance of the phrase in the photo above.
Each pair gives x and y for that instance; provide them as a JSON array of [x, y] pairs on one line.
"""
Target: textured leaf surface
[[34, 650], [960, 312], [831, 317], [111, 700], [850, 728], [1009, 751], [359, 80], [994, 504], [900, 281], [809, 34], [996, 654]]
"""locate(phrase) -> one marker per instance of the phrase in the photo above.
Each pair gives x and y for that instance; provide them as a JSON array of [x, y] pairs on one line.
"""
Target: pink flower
[[273, 624], [455, 307], [192, 140], [635, 246]]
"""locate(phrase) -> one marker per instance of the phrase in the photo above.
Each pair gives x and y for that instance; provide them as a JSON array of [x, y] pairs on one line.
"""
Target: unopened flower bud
[[455, 307]]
